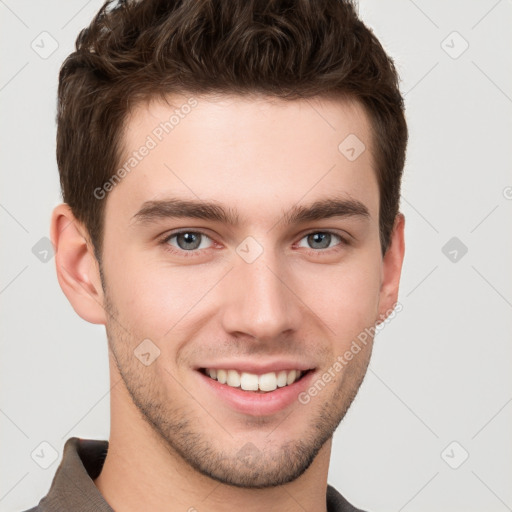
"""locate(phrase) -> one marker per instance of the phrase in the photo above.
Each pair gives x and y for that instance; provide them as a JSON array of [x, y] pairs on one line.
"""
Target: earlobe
[[76, 265], [392, 269]]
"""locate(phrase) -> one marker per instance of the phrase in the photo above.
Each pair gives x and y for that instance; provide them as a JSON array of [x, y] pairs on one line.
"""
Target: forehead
[[254, 154]]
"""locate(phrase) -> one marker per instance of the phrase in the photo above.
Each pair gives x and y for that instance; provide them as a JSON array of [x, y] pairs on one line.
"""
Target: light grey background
[[441, 370]]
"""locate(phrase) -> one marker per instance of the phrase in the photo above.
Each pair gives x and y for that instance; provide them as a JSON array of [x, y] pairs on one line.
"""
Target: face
[[275, 269]]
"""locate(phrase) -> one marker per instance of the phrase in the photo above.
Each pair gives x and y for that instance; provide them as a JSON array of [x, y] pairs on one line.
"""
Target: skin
[[173, 444]]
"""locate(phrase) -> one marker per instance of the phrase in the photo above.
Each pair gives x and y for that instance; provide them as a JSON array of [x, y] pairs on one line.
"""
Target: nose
[[261, 302]]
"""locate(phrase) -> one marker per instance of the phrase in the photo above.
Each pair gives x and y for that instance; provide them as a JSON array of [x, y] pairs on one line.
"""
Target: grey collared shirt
[[73, 488]]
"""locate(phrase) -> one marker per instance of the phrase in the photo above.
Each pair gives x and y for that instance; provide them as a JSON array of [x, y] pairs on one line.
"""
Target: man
[[231, 176]]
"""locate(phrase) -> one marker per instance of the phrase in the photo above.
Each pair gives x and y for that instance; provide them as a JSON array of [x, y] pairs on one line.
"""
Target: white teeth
[[233, 379], [252, 382], [267, 381], [291, 377], [282, 378], [221, 376], [249, 381]]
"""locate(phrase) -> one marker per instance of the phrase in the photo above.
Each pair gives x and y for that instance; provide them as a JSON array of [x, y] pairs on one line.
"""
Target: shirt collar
[[72, 486]]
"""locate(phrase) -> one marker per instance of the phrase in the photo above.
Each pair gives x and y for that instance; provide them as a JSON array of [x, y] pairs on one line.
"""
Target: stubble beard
[[243, 465]]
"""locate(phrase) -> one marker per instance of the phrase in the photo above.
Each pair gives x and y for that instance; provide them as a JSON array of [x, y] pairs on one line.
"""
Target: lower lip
[[258, 404]]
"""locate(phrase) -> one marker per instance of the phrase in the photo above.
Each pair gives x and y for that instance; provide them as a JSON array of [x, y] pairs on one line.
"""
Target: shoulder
[[337, 503]]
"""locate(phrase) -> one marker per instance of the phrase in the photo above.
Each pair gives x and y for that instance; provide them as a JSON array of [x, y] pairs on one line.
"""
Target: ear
[[392, 269], [77, 268]]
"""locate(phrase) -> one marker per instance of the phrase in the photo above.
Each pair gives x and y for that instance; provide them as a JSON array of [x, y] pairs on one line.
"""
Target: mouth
[[252, 382], [254, 394]]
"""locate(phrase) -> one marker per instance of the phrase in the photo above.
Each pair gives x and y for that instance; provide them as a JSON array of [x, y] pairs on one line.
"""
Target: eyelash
[[197, 252]]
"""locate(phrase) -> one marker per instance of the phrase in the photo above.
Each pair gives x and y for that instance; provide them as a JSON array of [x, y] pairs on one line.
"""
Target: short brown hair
[[134, 51]]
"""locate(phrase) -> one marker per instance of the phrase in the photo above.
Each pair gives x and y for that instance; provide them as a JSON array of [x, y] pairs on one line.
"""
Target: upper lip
[[259, 367]]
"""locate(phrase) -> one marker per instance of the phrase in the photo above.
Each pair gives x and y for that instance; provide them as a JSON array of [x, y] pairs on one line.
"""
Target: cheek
[[158, 300], [345, 296]]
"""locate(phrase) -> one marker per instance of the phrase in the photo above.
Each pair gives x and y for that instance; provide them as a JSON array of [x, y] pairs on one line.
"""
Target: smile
[[246, 381]]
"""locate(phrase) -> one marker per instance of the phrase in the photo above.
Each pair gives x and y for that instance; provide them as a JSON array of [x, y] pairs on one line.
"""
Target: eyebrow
[[174, 208]]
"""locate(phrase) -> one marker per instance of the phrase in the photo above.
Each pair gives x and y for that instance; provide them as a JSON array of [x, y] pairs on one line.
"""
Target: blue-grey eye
[[320, 240], [189, 240]]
